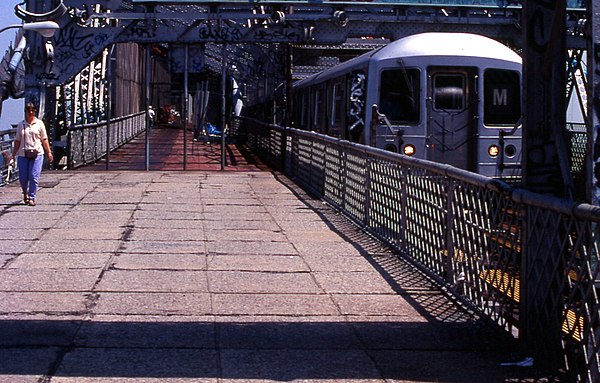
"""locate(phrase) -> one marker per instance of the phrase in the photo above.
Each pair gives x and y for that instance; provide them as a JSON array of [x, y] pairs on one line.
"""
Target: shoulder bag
[[29, 153]]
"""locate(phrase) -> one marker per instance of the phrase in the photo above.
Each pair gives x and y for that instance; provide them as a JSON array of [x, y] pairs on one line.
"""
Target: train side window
[[399, 95], [304, 109], [502, 97], [318, 110], [448, 92], [338, 103]]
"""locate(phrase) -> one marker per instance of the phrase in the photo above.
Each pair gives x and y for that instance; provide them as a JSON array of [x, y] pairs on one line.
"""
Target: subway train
[[453, 98]]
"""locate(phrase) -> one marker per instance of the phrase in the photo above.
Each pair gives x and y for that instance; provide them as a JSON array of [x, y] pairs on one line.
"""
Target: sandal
[[31, 202], [25, 199]]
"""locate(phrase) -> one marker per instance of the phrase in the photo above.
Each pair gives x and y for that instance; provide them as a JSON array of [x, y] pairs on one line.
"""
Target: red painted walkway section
[[167, 153]]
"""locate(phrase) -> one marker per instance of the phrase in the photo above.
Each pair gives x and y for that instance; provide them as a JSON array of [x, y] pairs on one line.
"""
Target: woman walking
[[30, 144]]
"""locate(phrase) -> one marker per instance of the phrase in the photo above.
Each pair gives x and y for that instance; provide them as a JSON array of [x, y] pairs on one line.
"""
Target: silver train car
[[453, 98]]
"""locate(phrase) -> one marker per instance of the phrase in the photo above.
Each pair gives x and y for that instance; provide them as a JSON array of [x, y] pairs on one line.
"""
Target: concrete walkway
[[217, 277]]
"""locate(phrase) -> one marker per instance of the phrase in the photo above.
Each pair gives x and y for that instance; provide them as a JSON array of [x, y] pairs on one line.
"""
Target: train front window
[[448, 92], [502, 97], [399, 95]]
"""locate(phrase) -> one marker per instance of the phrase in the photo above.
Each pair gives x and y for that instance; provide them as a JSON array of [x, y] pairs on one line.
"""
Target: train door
[[338, 109], [451, 109]]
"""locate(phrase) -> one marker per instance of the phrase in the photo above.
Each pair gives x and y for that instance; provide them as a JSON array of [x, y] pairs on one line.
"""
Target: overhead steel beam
[[87, 27]]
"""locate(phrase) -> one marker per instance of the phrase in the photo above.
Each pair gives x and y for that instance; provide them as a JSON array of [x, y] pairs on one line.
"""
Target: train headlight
[[493, 150], [510, 151], [409, 150]]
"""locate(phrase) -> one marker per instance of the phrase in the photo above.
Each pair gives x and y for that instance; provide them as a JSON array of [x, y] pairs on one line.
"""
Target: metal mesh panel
[[486, 251], [426, 224], [317, 173], [275, 146], [385, 213], [100, 141], [289, 155], [89, 144], [356, 185], [578, 137], [334, 174], [303, 161], [76, 148]]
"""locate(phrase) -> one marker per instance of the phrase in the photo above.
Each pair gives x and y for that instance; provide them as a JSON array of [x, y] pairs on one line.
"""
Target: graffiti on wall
[[74, 48]]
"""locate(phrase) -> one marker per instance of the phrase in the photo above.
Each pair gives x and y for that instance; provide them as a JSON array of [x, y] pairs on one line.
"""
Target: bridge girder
[[87, 28]]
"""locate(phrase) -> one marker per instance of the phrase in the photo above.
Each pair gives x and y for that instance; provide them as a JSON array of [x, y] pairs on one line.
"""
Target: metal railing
[[8, 173], [526, 261], [88, 143]]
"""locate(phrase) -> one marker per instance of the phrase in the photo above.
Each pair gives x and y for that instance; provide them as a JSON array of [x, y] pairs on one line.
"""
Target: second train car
[[453, 98]]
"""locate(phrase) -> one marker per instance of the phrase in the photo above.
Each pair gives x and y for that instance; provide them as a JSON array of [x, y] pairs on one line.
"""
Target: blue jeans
[[29, 174]]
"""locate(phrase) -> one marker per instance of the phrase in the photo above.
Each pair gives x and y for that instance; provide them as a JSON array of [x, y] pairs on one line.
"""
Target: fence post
[[403, 207], [542, 281], [449, 240], [283, 147], [69, 151], [367, 217]]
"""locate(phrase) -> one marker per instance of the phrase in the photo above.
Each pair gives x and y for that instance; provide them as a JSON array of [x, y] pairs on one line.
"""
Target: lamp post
[[44, 28]]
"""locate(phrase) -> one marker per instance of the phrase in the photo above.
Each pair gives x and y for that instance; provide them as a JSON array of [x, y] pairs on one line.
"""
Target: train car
[[453, 98]]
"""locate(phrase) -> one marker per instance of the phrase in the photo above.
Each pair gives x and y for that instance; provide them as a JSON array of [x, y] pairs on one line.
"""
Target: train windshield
[[502, 97], [399, 95], [449, 92]]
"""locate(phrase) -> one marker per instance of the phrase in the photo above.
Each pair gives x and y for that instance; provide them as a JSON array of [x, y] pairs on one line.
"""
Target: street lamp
[[44, 28]]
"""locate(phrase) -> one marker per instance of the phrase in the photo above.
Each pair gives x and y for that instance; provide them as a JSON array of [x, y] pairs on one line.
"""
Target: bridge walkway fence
[[528, 262], [88, 143]]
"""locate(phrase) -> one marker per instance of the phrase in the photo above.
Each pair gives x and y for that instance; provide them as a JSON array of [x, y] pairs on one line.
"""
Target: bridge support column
[[147, 103], [186, 95], [223, 105], [546, 171]]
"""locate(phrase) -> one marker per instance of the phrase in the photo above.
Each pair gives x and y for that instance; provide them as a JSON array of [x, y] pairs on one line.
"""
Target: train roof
[[467, 45]]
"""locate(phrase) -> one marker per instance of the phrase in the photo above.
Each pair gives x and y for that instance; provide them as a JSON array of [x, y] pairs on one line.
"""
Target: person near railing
[[30, 144], [151, 117]]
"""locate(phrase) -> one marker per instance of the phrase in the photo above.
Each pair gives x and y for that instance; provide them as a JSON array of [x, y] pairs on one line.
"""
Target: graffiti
[[70, 41], [357, 106], [210, 32], [46, 77], [141, 33], [101, 39], [224, 33], [537, 32], [276, 35]]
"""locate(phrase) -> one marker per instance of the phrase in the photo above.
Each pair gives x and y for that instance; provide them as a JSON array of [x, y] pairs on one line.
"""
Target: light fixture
[[44, 28], [409, 150], [493, 151]]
